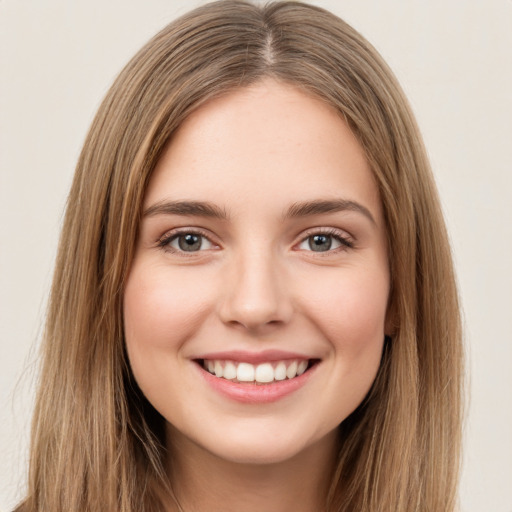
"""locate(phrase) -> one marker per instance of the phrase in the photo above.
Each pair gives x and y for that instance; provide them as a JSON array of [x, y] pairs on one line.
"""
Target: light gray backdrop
[[453, 58]]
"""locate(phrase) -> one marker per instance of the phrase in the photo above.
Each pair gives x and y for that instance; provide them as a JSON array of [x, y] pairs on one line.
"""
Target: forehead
[[264, 144]]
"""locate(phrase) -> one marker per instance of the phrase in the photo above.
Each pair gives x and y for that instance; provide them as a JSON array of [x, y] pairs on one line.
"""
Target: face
[[255, 306]]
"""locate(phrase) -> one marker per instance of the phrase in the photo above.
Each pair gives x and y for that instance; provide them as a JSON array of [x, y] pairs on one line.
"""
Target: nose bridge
[[256, 295]]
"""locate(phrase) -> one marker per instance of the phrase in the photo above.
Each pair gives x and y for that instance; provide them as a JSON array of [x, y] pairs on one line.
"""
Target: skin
[[257, 284]]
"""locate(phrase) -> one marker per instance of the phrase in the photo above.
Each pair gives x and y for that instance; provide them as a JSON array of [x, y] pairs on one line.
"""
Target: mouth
[[264, 373]]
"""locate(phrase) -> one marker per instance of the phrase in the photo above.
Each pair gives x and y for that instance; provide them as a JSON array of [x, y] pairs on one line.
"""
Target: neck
[[203, 481]]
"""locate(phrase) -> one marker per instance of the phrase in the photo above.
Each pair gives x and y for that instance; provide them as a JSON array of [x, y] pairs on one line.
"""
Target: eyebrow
[[318, 207], [192, 208], [299, 209]]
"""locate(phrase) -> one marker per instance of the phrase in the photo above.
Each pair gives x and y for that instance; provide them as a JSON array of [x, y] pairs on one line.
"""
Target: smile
[[263, 373], [256, 378]]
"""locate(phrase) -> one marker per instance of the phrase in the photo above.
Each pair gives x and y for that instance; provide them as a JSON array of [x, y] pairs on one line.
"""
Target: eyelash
[[165, 241], [345, 240], [341, 236]]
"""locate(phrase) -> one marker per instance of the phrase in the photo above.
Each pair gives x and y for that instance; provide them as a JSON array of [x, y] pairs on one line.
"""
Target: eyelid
[[346, 240], [168, 236]]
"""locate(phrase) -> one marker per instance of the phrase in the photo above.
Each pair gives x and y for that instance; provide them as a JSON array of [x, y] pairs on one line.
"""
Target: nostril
[[256, 300]]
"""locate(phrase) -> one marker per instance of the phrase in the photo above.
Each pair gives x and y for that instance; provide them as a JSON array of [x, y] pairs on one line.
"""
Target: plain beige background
[[454, 60]]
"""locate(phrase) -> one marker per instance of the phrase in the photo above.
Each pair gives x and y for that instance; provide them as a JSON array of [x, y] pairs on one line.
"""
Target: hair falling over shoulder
[[97, 444]]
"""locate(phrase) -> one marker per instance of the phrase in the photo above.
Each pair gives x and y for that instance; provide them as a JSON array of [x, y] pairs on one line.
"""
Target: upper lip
[[264, 356]]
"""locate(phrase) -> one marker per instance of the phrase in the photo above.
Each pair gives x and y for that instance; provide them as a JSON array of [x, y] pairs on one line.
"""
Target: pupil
[[189, 242], [320, 243]]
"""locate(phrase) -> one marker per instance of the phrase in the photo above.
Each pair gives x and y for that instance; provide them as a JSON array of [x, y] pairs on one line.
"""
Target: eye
[[323, 242], [187, 241]]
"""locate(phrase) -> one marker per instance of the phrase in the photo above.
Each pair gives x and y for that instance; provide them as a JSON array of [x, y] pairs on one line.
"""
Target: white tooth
[[280, 372], [291, 371], [302, 367], [218, 369], [245, 372], [211, 366], [264, 373], [229, 371]]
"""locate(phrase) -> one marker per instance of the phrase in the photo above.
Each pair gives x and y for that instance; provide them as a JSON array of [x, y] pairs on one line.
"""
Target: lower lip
[[250, 393]]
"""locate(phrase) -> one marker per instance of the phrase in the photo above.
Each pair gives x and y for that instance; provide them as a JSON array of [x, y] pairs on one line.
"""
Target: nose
[[255, 296]]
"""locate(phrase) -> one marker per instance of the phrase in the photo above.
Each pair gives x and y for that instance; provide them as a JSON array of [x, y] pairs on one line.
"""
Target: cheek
[[351, 315], [160, 307], [350, 310], [352, 300], [162, 310]]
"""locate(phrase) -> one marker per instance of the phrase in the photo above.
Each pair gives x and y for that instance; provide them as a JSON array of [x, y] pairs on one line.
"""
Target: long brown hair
[[96, 442]]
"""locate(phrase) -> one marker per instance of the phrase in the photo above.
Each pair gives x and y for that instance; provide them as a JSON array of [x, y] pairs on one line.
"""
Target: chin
[[257, 442], [257, 453]]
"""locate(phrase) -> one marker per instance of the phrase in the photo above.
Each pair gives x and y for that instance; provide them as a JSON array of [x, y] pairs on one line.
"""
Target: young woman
[[254, 304]]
